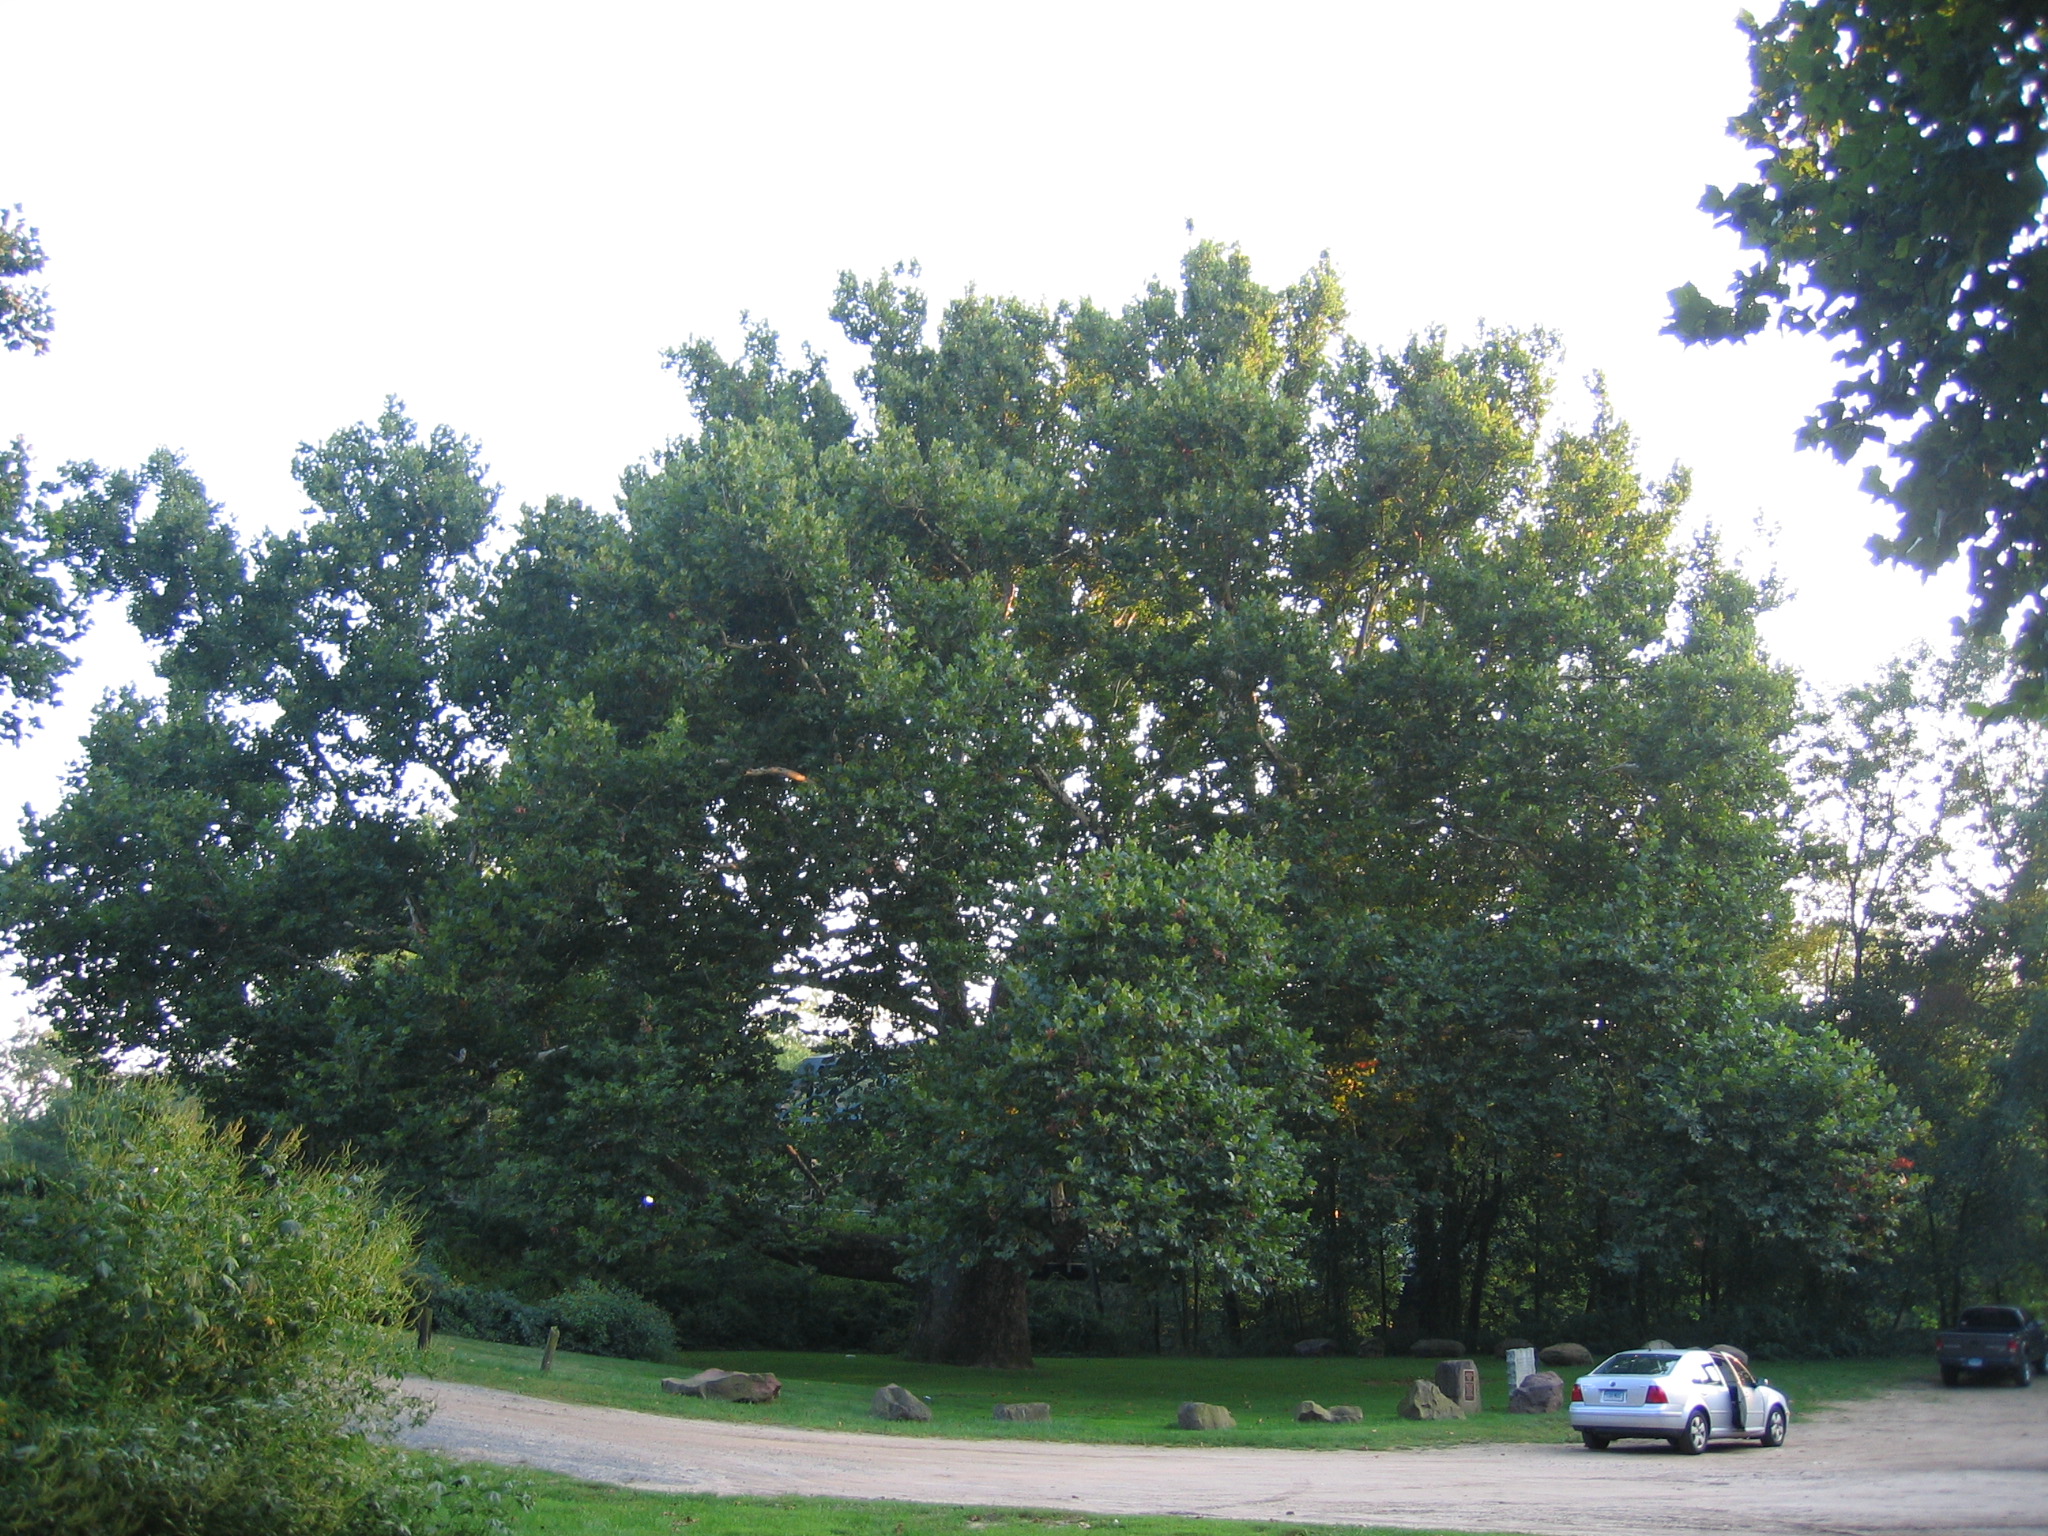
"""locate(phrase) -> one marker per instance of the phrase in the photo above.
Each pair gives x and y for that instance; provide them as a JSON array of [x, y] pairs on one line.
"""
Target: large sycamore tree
[[1235, 792]]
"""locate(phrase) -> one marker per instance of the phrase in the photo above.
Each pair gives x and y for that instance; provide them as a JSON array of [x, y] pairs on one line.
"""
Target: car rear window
[[1640, 1363], [1990, 1317]]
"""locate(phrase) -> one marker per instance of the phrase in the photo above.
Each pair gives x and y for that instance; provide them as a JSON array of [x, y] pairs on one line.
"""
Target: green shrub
[[196, 1335], [595, 1319], [600, 1320], [498, 1317]]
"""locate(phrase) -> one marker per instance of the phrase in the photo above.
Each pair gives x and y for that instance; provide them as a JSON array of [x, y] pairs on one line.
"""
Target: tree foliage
[[1898, 210]]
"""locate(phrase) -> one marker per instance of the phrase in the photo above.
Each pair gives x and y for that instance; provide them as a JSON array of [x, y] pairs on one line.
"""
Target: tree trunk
[[979, 1316]]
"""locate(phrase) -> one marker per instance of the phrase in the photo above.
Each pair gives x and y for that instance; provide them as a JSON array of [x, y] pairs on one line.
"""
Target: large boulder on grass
[[1205, 1416], [692, 1386], [742, 1387], [1345, 1413], [1308, 1347], [893, 1403], [1566, 1355], [1023, 1413], [1538, 1392], [1733, 1351], [1436, 1349], [1423, 1401]]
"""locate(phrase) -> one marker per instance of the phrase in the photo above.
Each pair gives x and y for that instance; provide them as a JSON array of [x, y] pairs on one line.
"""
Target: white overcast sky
[[262, 219]]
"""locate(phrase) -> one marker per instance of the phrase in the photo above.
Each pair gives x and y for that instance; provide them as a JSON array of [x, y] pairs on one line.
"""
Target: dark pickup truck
[[1992, 1341]]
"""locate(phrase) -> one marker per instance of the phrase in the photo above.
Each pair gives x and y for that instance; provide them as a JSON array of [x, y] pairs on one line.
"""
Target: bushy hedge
[[595, 1319], [193, 1337]]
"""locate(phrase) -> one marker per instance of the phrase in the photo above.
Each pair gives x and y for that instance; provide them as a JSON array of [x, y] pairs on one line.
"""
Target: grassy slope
[[566, 1508], [1128, 1401]]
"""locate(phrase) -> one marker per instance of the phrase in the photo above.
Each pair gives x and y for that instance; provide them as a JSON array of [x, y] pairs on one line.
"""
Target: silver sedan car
[[1690, 1397]]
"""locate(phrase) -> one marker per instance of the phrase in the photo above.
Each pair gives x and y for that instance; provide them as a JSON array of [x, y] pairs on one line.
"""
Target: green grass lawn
[[563, 1507], [1129, 1401]]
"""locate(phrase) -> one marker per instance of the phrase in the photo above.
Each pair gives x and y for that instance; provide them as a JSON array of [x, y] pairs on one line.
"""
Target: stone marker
[[1315, 1347], [1436, 1349], [1521, 1364], [1023, 1413], [1735, 1350], [1310, 1412], [1459, 1381], [691, 1386], [892, 1402], [547, 1355], [1541, 1392], [1423, 1401], [1565, 1354], [1206, 1416], [741, 1387], [1345, 1413]]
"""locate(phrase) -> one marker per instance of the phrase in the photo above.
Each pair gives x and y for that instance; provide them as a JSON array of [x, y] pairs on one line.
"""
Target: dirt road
[[1959, 1462]]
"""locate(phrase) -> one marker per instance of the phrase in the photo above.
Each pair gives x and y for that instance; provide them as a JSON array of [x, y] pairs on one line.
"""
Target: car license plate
[[1974, 1362], [1613, 1395]]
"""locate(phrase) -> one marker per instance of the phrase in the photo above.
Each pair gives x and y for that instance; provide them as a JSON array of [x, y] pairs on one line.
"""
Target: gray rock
[[692, 1386], [1346, 1413], [1660, 1344], [1023, 1413], [1735, 1350], [1541, 1393], [1206, 1416], [1565, 1354], [892, 1402], [1435, 1349], [1422, 1400], [1316, 1347], [1371, 1348], [1459, 1381], [742, 1387], [1309, 1412]]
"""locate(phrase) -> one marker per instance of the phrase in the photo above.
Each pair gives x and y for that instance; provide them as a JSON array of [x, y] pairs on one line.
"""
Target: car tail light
[[1578, 1393], [2013, 1348], [1655, 1394]]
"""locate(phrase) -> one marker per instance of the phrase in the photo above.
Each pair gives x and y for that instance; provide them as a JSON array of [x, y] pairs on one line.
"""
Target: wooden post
[[547, 1356], [425, 1322]]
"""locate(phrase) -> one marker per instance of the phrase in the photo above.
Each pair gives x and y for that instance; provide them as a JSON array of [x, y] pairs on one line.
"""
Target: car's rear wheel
[[1774, 1429], [2023, 1373], [1595, 1442], [1951, 1374], [1696, 1434]]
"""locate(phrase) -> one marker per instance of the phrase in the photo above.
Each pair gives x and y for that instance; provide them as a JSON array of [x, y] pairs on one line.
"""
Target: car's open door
[[1744, 1417]]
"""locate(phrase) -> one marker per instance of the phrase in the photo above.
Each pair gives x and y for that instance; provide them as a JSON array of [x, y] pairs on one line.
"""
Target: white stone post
[[1521, 1365]]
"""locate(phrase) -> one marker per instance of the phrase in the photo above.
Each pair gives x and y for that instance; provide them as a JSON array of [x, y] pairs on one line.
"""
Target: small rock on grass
[[1206, 1416], [1310, 1412], [1023, 1413], [1423, 1401], [894, 1403]]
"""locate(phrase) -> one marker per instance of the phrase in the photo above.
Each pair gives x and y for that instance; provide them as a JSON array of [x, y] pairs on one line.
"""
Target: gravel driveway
[[1920, 1459]]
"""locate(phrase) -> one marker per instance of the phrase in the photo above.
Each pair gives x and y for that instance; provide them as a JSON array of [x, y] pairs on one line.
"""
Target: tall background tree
[[1898, 209], [39, 616]]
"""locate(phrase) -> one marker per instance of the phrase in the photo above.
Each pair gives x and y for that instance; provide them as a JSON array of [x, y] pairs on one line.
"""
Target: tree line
[[1256, 834]]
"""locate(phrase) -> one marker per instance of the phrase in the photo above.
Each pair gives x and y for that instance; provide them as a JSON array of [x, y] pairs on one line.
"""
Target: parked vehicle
[[1993, 1342], [1690, 1397]]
